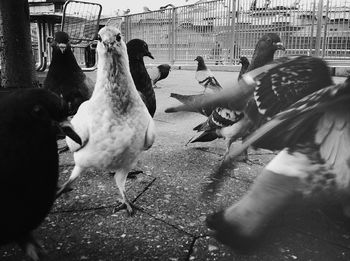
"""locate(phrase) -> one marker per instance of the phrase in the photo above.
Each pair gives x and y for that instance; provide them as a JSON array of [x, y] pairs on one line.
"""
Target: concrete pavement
[[170, 222]]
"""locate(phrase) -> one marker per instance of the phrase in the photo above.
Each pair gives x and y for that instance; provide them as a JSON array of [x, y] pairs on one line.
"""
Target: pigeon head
[[199, 59], [110, 41], [201, 63], [270, 41], [164, 70], [45, 108], [265, 49], [60, 42], [137, 49], [243, 60]]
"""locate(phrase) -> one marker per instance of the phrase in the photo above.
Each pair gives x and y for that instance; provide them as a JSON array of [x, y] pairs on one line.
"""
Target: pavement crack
[[169, 224], [191, 249], [144, 190]]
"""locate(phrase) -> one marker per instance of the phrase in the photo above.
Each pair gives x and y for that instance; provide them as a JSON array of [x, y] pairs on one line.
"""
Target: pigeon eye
[[118, 37], [99, 38]]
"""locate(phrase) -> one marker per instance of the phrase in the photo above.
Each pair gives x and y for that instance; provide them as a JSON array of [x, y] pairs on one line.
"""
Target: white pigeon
[[114, 125]]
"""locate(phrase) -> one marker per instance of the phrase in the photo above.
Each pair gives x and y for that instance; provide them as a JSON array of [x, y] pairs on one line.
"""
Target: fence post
[[324, 42], [311, 43], [233, 30], [126, 28], [319, 28], [173, 35]]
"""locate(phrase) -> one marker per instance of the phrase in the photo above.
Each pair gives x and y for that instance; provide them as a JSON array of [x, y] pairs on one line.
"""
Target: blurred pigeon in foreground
[[30, 119], [192, 99], [313, 135]]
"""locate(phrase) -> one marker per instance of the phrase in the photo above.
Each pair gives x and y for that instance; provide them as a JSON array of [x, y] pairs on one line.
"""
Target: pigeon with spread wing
[[313, 136]]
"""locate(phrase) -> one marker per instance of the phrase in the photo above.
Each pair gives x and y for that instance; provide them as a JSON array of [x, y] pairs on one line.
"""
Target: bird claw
[[130, 208], [133, 174], [63, 190], [253, 162]]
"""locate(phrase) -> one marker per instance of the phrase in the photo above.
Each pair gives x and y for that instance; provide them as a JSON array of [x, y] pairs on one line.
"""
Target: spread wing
[[333, 137], [287, 83], [309, 118]]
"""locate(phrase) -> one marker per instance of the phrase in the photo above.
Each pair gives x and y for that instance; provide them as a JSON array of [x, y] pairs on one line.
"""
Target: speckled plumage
[[271, 86]]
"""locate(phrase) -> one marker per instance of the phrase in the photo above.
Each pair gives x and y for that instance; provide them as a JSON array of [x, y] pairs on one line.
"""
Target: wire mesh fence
[[81, 21], [223, 30]]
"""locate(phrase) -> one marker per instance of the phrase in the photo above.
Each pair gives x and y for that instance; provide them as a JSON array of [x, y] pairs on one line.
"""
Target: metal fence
[[223, 30]]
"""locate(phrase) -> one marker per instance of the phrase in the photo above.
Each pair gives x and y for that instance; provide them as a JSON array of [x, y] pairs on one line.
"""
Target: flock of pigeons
[[288, 104]]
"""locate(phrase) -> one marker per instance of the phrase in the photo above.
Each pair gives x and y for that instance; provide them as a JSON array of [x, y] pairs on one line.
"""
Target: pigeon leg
[[31, 247], [120, 180], [66, 187], [244, 158], [228, 146]]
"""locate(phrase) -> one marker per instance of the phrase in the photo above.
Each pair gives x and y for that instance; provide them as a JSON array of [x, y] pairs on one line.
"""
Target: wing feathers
[[334, 143]]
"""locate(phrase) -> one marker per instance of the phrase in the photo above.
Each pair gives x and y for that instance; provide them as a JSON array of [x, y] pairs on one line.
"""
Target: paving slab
[[170, 222], [98, 235]]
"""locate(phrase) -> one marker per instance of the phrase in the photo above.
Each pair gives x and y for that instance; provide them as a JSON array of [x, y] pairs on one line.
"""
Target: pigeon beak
[[62, 47], [67, 128], [280, 46], [149, 55]]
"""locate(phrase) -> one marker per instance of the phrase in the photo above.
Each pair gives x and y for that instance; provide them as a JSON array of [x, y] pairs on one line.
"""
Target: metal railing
[[223, 30]]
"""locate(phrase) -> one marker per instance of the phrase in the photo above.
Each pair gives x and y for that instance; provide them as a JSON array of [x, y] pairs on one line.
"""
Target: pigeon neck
[[65, 61], [136, 58], [260, 58], [201, 66], [113, 77]]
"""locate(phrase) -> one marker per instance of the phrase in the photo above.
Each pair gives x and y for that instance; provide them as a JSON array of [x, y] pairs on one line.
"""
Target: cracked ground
[[170, 221]]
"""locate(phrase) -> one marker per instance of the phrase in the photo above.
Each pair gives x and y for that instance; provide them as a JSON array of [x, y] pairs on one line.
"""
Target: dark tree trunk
[[17, 67]]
